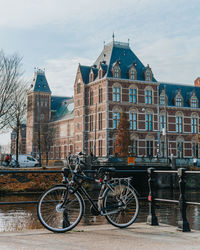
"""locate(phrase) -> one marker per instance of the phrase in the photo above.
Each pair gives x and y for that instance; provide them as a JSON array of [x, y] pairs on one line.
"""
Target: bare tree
[[17, 112], [47, 136], [10, 76]]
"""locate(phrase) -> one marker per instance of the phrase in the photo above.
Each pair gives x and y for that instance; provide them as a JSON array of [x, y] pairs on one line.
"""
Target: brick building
[[164, 118]]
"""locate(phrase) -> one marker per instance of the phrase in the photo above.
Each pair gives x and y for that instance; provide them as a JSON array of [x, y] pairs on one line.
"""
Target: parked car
[[25, 161]]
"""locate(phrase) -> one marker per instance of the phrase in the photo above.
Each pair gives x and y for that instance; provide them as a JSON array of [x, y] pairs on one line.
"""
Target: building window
[[100, 121], [132, 74], [133, 121], [100, 73], [116, 94], [148, 76], [91, 77], [78, 88], [149, 148], [100, 148], [91, 97], [116, 72], [162, 122], [194, 125], [133, 95], [178, 102], [100, 95], [179, 124], [116, 118], [135, 147], [162, 149], [195, 150], [91, 122], [148, 96], [149, 122], [180, 149], [193, 102], [162, 100], [91, 147]]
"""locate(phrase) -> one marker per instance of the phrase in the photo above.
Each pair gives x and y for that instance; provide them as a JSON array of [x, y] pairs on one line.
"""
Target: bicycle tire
[[55, 218], [123, 214]]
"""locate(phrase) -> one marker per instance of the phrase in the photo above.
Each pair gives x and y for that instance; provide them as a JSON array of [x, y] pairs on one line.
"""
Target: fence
[[152, 218]]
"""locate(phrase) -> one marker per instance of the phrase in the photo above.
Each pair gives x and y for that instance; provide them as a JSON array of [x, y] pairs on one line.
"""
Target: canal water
[[21, 217]]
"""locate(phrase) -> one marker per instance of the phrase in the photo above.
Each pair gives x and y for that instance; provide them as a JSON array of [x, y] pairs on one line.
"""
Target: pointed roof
[[117, 53], [40, 82]]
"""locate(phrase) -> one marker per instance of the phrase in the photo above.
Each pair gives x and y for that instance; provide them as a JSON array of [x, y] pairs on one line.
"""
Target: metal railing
[[152, 218]]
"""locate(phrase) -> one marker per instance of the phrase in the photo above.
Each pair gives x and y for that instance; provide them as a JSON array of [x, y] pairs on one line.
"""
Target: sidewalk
[[105, 237]]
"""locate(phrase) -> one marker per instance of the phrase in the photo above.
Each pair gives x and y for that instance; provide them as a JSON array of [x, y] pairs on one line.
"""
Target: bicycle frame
[[104, 185]]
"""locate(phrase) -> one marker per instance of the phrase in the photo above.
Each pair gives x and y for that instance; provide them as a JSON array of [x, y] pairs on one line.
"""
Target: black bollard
[[151, 219], [183, 224]]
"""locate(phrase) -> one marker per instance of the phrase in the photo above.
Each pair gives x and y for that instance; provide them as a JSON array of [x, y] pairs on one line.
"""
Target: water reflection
[[24, 216]]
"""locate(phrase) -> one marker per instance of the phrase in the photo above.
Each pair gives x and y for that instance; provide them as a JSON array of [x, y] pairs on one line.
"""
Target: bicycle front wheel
[[121, 205], [60, 209]]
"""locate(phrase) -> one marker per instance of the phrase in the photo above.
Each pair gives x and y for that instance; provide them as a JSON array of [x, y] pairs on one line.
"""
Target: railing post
[[151, 219], [183, 224]]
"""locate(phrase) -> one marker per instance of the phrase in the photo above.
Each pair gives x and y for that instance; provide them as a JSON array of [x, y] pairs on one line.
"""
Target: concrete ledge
[[138, 236]]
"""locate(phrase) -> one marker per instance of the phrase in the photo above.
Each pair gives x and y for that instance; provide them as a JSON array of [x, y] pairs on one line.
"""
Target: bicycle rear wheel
[[121, 205], [59, 211]]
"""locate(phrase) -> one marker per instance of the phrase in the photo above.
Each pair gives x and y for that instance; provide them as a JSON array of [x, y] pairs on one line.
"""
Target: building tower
[[38, 112]]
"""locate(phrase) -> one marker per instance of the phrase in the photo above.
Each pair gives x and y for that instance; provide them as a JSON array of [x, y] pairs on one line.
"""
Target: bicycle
[[61, 207]]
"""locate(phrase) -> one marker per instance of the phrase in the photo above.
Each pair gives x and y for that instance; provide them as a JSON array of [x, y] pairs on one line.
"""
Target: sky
[[57, 35]]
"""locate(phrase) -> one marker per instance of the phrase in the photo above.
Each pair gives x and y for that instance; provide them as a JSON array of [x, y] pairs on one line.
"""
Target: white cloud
[[61, 74], [4, 138], [173, 59]]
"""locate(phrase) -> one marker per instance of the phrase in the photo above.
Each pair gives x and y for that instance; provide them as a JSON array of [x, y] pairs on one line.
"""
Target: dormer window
[[100, 73], [148, 74], [116, 69], [133, 74], [116, 72], [162, 99], [178, 101], [91, 76], [193, 102]]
